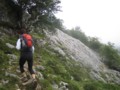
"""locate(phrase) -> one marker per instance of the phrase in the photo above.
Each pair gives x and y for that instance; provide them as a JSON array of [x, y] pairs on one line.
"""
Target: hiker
[[26, 53]]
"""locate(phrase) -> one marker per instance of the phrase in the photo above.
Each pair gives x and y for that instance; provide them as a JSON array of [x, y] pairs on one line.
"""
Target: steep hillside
[[76, 50], [61, 63]]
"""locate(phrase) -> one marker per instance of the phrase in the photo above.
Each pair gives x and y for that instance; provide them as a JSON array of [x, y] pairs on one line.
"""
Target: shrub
[[111, 56], [73, 86], [90, 87]]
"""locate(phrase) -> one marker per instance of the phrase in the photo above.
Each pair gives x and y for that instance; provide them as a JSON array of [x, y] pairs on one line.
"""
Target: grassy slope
[[57, 69]]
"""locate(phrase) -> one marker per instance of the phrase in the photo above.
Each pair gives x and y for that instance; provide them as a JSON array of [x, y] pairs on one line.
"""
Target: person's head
[[21, 31]]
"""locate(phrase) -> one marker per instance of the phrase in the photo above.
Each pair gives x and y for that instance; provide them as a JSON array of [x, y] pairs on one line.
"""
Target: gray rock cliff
[[75, 49]]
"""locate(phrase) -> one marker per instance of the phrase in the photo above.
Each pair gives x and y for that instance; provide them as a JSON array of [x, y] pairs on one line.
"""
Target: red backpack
[[26, 41]]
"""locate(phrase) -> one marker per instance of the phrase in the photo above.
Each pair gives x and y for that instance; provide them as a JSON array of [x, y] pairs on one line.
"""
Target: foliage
[[90, 87], [100, 86], [73, 85], [4, 65], [30, 13], [111, 56], [78, 34], [46, 85], [94, 43]]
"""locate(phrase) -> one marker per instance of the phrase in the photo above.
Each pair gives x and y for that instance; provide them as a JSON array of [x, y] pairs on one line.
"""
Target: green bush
[[45, 84], [111, 56], [90, 87], [94, 43], [100, 86], [73, 85], [3, 60], [2, 88]]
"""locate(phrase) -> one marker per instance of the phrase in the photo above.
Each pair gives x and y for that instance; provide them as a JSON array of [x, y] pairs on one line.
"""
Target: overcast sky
[[96, 18]]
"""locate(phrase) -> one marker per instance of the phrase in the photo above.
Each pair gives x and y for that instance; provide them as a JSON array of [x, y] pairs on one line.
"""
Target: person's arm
[[18, 44]]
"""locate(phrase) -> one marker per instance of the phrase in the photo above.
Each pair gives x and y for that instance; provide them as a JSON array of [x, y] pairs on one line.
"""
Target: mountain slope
[[75, 49], [60, 62]]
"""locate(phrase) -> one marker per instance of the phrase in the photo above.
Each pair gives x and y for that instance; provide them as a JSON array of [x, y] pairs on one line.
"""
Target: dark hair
[[23, 30]]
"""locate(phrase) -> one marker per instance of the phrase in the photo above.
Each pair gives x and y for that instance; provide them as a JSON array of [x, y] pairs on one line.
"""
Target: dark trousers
[[26, 56]]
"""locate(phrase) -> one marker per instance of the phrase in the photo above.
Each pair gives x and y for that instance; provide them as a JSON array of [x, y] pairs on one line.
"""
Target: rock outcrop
[[75, 49]]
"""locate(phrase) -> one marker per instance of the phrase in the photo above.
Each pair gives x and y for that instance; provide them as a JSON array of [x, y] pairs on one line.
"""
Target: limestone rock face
[[75, 49]]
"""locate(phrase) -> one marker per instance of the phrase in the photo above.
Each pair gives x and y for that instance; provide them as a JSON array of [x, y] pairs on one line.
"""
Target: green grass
[[100, 86]]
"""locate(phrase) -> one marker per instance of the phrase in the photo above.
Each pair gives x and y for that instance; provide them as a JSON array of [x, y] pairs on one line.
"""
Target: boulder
[[10, 45]]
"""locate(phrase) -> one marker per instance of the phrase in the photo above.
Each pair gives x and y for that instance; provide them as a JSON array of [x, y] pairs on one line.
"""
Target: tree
[[94, 43], [111, 56], [78, 34], [28, 13]]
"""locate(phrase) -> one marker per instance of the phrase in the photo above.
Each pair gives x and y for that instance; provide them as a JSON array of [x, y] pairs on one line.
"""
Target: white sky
[[96, 18]]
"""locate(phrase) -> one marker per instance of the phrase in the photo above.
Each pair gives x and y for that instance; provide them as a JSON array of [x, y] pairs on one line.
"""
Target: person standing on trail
[[25, 45]]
